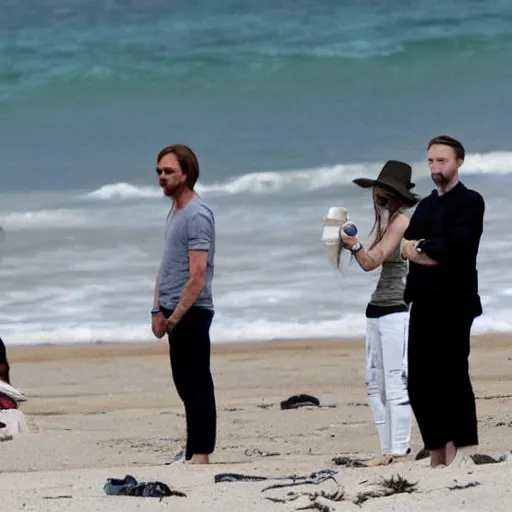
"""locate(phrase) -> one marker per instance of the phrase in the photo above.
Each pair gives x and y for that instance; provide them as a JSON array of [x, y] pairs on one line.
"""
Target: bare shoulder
[[400, 222]]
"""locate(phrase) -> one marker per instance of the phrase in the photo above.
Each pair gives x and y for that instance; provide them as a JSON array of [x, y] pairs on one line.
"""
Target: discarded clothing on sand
[[128, 486], [302, 400]]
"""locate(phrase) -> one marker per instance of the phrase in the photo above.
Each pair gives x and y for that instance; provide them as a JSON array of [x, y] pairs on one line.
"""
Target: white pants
[[386, 380]]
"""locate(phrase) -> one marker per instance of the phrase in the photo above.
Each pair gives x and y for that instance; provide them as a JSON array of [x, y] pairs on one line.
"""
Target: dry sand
[[99, 411]]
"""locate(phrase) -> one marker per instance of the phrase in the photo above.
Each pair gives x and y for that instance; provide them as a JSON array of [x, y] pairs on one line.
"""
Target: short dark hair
[[187, 160], [446, 140]]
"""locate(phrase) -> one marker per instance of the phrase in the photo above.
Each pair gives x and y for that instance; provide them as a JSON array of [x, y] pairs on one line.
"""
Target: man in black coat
[[441, 244]]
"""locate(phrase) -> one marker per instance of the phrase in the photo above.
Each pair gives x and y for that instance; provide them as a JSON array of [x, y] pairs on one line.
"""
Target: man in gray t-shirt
[[190, 229], [183, 303]]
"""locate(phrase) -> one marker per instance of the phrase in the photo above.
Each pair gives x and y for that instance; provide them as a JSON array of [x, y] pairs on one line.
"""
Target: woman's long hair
[[383, 215]]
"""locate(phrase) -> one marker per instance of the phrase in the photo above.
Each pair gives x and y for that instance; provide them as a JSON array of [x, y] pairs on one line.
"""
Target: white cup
[[337, 213]]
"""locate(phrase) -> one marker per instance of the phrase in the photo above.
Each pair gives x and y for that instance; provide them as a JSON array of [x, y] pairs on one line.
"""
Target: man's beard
[[170, 191], [439, 179]]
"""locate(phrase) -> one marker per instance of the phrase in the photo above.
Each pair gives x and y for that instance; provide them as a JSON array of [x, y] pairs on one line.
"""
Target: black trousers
[[439, 385], [189, 349]]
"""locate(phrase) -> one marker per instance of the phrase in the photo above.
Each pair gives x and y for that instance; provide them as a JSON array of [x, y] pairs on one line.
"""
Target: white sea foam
[[44, 219], [499, 162], [348, 327], [124, 191]]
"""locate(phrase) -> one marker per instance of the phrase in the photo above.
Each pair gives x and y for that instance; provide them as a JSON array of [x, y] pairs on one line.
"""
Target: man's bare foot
[[450, 453], [199, 458], [438, 457]]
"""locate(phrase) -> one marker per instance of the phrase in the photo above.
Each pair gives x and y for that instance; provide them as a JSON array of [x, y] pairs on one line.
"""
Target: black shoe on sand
[[296, 401]]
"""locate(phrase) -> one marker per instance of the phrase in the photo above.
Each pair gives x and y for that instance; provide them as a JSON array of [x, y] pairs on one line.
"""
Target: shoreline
[[62, 351]]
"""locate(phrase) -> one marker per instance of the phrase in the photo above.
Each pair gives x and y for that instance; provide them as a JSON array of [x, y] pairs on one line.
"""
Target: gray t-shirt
[[189, 229]]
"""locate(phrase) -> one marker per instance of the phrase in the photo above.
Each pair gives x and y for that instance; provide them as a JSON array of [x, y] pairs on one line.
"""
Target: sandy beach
[[107, 410]]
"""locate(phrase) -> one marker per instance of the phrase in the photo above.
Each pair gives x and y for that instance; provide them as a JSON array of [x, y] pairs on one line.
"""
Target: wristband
[[155, 311], [356, 248]]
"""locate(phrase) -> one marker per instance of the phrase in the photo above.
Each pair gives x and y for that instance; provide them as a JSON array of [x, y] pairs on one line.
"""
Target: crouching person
[[12, 420]]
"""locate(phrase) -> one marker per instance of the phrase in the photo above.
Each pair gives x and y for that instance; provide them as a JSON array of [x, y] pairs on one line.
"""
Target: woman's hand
[[408, 248], [348, 241]]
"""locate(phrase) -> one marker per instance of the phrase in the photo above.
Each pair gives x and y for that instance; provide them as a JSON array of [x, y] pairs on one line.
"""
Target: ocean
[[284, 102]]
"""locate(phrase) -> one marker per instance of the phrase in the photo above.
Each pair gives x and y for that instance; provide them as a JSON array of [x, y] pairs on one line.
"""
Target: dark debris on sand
[[459, 487], [348, 462], [388, 486], [422, 454], [314, 504], [398, 484], [503, 424], [478, 458], [256, 452], [265, 406], [482, 458]]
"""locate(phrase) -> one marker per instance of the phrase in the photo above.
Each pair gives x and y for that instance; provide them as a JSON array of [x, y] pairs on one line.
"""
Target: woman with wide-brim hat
[[387, 313]]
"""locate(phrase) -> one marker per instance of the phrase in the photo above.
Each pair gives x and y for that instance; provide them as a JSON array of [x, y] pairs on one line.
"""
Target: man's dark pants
[[439, 385], [189, 349]]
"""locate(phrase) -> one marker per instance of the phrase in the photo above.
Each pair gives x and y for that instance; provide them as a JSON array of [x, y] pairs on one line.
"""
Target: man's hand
[[170, 324], [158, 324], [176, 316], [409, 251]]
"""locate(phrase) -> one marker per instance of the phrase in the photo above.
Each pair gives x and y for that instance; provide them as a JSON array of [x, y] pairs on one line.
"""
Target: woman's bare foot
[[199, 458], [383, 460]]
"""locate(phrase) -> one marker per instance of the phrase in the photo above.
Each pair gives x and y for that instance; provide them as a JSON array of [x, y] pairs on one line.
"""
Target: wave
[[124, 191], [498, 162], [349, 327], [64, 218]]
